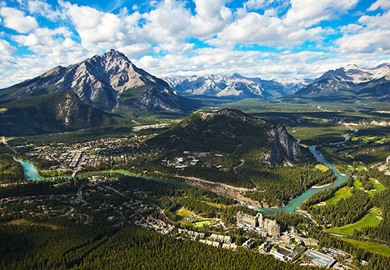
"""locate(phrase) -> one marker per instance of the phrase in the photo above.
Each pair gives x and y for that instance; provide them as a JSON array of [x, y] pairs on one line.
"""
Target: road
[[239, 165], [5, 142], [307, 215]]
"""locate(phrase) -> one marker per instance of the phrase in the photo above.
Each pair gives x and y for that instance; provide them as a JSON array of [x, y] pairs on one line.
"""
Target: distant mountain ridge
[[106, 82], [235, 86], [350, 82]]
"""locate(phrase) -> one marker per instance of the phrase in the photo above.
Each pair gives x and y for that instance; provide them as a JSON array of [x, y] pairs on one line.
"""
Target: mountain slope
[[232, 131], [235, 86], [55, 112], [100, 81], [349, 83]]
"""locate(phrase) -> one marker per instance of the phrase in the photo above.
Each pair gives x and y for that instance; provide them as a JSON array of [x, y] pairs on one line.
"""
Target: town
[[105, 199], [100, 154]]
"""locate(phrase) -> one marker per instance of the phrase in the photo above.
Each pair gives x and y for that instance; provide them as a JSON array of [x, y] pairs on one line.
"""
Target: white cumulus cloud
[[16, 20], [384, 4]]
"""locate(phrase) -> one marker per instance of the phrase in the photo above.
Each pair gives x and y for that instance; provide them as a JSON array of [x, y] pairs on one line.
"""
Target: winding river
[[31, 173], [294, 203]]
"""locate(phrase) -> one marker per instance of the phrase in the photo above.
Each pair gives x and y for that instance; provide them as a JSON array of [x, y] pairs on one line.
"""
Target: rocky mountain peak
[[102, 81], [237, 75], [350, 82], [351, 66]]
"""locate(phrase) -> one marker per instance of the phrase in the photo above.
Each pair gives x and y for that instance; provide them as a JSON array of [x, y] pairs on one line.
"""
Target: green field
[[184, 212], [342, 193], [197, 221], [361, 167], [371, 139], [372, 219], [357, 184], [370, 246], [203, 223], [377, 186], [321, 167]]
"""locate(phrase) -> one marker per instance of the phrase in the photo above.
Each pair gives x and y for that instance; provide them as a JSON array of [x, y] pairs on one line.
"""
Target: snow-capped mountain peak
[[351, 81], [234, 86]]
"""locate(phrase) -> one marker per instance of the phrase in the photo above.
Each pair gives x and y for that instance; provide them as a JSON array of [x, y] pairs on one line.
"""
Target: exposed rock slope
[[350, 82], [232, 131], [101, 81]]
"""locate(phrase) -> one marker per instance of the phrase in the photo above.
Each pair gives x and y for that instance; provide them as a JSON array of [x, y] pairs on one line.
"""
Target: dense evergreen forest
[[86, 247], [351, 209], [381, 200], [346, 211], [10, 171], [277, 184]]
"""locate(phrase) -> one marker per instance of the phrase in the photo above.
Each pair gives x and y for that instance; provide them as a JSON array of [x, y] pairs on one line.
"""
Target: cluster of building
[[193, 235], [291, 253], [80, 207], [258, 223], [187, 159], [284, 253], [102, 152], [154, 126], [33, 206], [76, 158], [219, 240], [155, 224]]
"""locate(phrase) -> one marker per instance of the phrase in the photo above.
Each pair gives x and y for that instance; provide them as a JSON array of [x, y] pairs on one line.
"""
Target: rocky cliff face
[[284, 148], [233, 132]]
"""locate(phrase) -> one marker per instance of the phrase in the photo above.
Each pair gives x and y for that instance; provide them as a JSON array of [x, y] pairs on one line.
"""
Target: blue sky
[[270, 39]]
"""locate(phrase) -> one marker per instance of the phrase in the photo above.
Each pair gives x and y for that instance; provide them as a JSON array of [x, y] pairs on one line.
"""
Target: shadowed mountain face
[[56, 112], [232, 131], [107, 82], [349, 83]]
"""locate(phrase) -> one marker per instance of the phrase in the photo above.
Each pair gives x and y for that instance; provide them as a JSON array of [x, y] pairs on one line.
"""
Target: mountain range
[[235, 86], [348, 83], [104, 88]]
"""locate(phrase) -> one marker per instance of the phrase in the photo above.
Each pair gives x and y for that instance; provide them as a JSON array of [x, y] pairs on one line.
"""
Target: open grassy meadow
[[372, 219], [184, 212], [342, 193], [370, 246], [321, 167]]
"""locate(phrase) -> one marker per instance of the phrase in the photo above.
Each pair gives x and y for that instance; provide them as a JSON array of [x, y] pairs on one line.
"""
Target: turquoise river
[[294, 203], [31, 173]]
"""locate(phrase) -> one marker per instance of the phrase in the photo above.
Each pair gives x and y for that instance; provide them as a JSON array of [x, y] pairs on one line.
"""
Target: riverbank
[[323, 186], [31, 173], [293, 205], [29, 170]]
